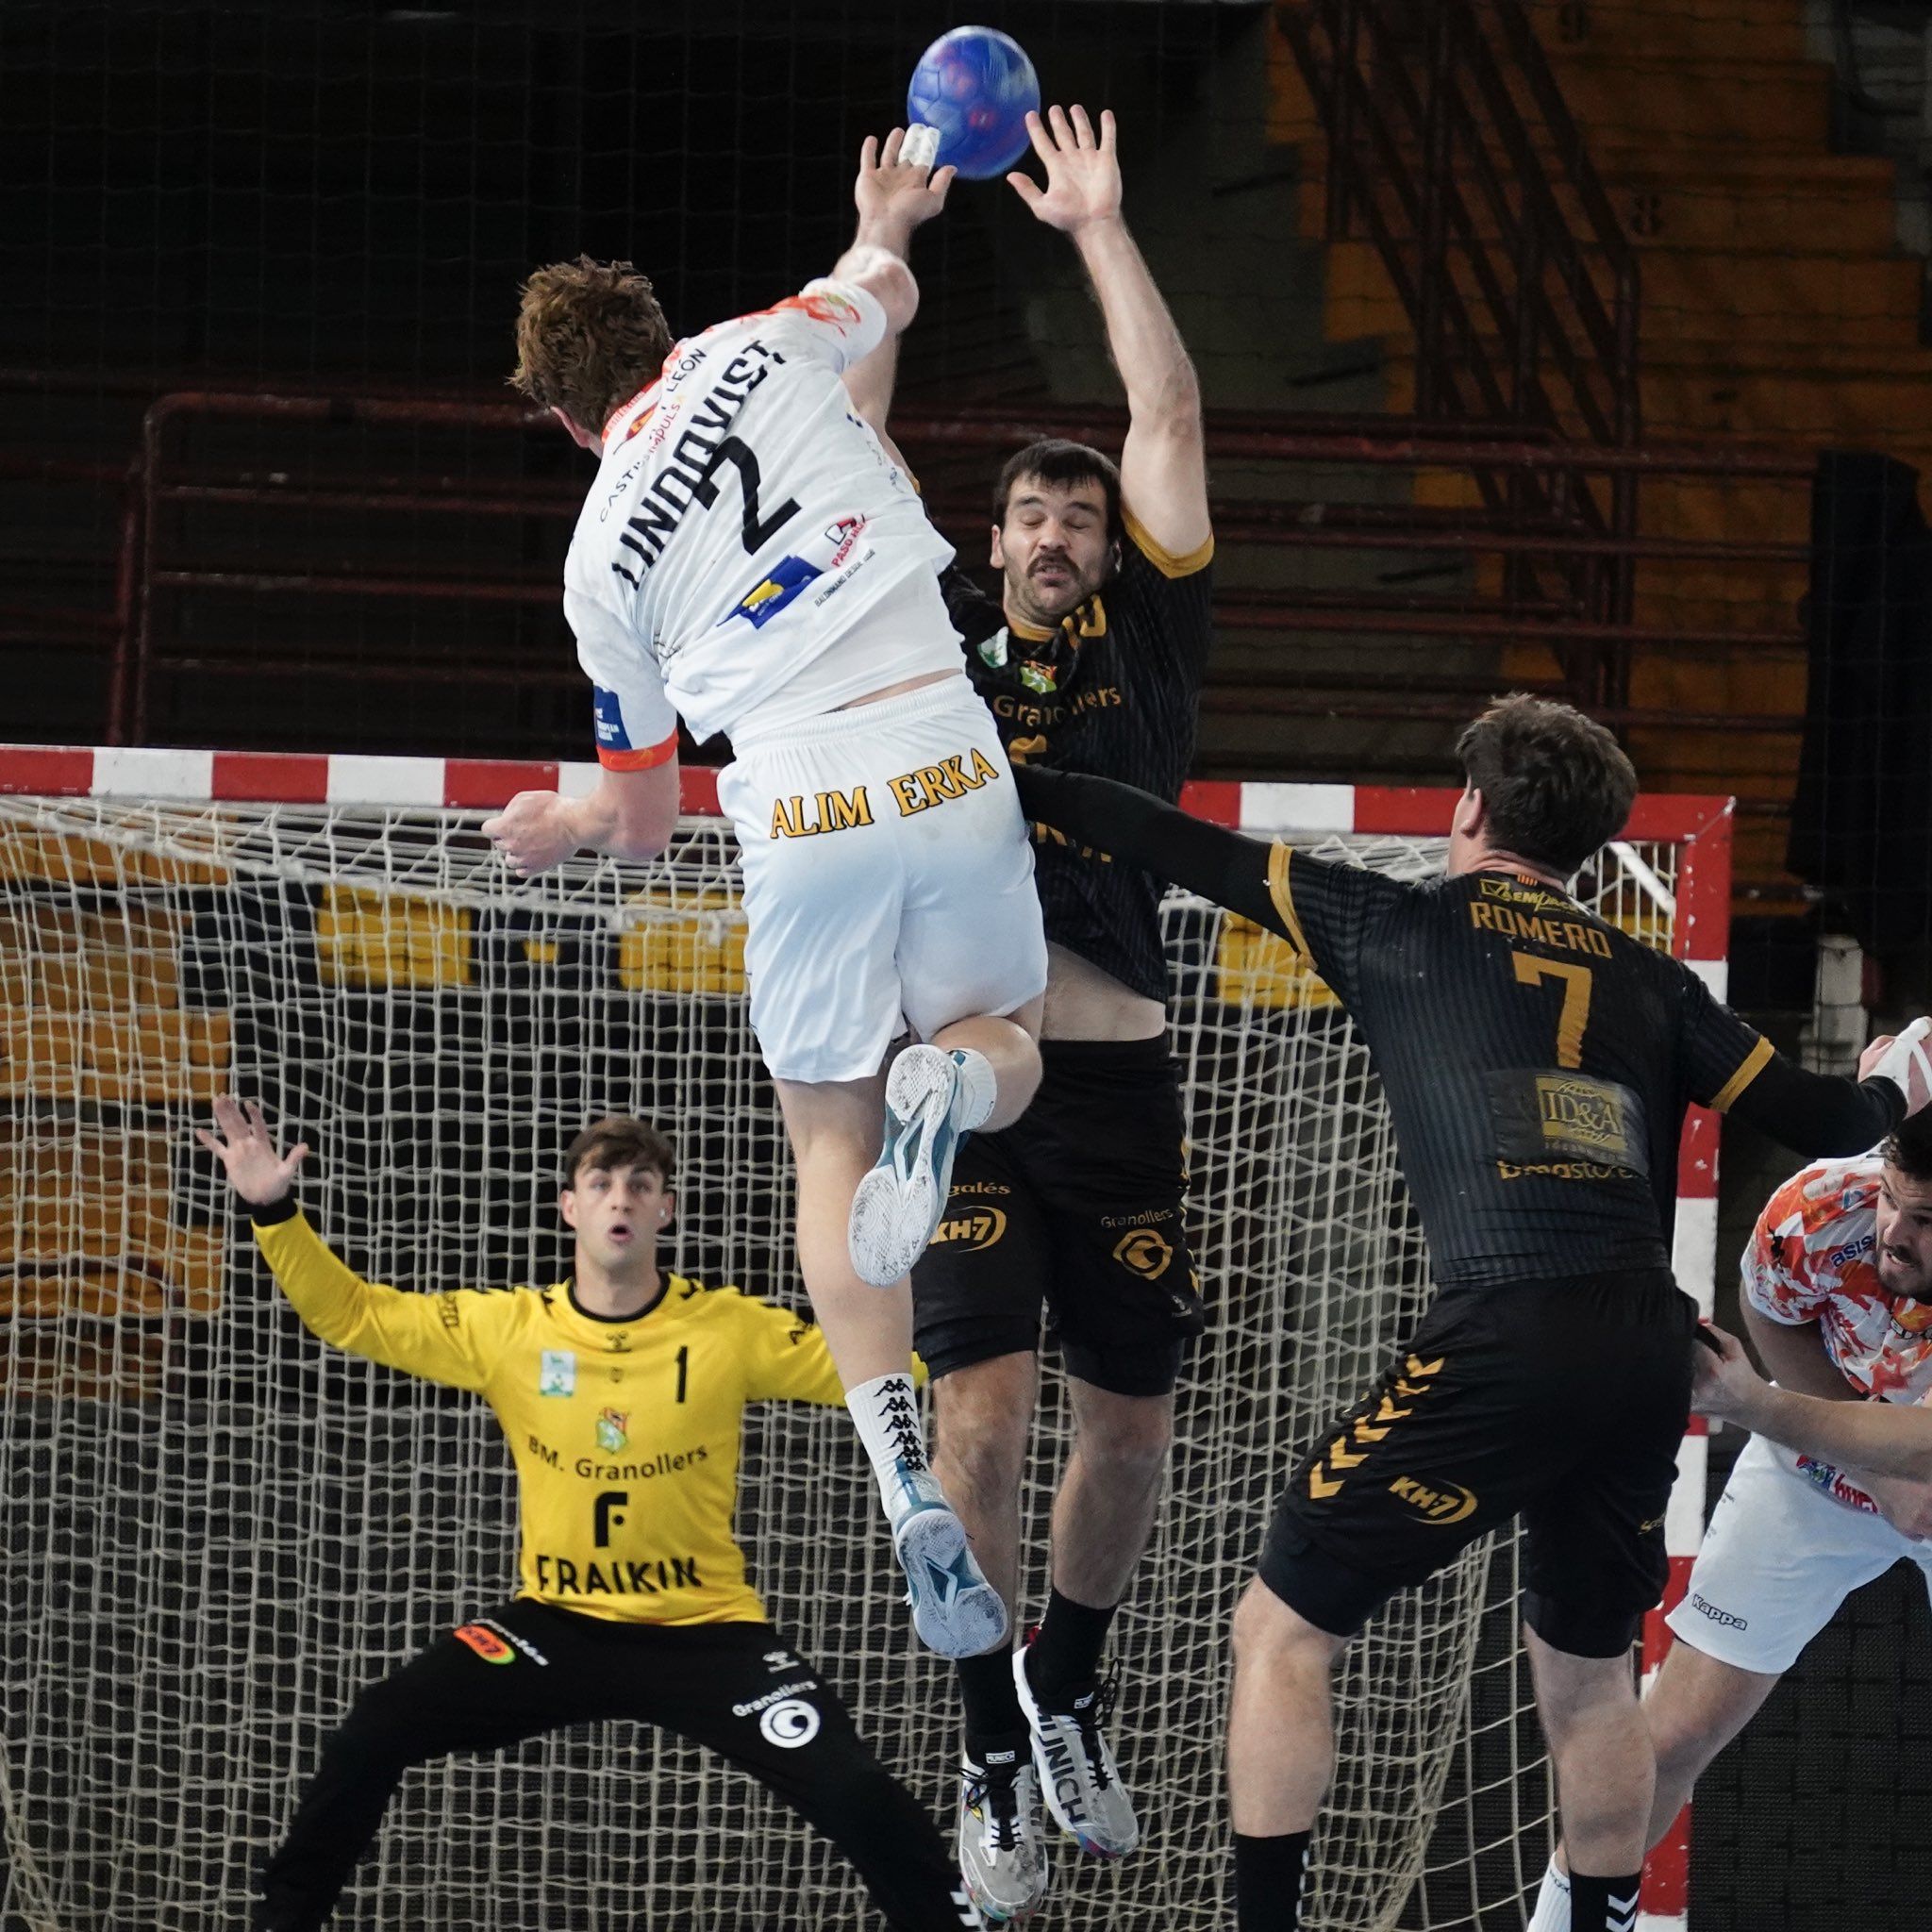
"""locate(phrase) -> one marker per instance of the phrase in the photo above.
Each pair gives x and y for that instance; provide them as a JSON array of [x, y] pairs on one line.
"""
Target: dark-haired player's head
[[1904, 1254], [616, 1196], [1542, 784], [590, 336], [1056, 529]]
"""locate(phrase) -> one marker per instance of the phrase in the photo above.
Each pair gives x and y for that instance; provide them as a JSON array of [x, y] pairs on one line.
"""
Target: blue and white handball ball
[[976, 86]]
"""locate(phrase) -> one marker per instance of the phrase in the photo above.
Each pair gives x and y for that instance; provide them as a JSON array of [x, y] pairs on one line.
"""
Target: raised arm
[[1829, 1113], [893, 200], [1163, 461], [421, 1334]]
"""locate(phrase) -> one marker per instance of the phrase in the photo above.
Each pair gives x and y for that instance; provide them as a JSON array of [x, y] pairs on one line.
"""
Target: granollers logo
[[1147, 1251]]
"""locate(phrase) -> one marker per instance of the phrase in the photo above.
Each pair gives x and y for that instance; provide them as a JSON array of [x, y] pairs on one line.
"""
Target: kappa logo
[[612, 1430], [980, 1227], [1146, 1252], [1726, 1620], [1449, 1503], [557, 1374]]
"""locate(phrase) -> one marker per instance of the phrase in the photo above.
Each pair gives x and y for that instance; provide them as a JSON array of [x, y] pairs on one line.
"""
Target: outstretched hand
[[1083, 173], [892, 196], [258, 1169]]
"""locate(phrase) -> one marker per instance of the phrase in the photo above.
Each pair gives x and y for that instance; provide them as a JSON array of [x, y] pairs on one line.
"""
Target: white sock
[[979, 1087], [887, 1411], [1551, 1912]]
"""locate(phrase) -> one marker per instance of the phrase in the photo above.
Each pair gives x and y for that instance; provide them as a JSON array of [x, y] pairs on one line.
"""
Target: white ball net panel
[[215, 1530]]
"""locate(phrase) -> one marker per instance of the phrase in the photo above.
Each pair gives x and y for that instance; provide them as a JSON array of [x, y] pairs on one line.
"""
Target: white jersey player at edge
[[751, 559]]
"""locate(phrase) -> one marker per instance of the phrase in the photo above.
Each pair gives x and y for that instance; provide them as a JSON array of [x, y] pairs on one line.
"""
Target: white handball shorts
[[888, 879], [1779, 1557]]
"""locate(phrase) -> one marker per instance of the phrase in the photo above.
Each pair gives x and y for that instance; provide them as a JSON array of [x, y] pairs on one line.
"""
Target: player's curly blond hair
[[590, 336]]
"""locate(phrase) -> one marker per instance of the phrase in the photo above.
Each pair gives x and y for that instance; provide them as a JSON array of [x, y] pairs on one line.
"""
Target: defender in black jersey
[[1536, 1063], [1091, 660]]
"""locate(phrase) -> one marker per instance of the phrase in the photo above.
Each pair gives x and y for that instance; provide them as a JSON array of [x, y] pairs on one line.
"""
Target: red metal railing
[[1593, 653], [1452, 151]]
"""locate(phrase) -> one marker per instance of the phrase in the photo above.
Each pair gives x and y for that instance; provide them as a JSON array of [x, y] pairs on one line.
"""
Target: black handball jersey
[[1537, 1061], [1113, 690]]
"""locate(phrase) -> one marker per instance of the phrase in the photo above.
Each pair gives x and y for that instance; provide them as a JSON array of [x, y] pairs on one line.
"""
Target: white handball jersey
[[743, 519], [1811, 1260]]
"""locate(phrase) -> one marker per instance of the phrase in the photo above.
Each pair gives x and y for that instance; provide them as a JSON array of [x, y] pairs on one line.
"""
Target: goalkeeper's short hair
[[618, 1140]]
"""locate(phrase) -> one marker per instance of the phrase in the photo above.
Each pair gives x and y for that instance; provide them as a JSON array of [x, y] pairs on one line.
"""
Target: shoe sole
[[892, 1219], [993, 1914], [1049, 1795], [932, 1546]]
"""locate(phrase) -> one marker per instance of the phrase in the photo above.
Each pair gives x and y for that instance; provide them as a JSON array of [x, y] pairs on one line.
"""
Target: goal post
[[216, 1531]]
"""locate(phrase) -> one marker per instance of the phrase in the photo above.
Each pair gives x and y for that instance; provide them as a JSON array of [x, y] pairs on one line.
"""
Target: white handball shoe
[[933, 1100], [1001, 1852], [1078, 1777], [954, 1610]]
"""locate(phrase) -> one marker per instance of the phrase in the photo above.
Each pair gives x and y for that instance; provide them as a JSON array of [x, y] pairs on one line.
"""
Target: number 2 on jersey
[[756, 533], [1532, 971]]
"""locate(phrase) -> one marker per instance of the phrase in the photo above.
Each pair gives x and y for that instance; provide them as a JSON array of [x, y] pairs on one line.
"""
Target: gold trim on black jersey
[[1283, 895], [1749, 1068], [1166, 561]]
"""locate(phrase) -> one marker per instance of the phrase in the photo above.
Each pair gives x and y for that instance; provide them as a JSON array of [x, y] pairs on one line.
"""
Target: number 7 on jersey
[[1574, 1017]]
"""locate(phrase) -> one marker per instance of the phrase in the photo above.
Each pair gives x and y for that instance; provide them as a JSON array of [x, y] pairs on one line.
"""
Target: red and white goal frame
[[1699, 827]]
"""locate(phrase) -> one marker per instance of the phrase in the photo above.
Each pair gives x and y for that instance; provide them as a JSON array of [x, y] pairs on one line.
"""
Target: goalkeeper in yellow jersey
[[621, 1393]]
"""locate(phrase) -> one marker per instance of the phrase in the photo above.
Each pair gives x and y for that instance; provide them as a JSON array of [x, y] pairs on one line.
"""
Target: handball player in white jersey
[[751, 559], [1837, 1297]]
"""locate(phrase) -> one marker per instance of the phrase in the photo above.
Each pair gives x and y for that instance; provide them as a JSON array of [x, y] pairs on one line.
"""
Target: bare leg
[[1695, 1708], [985, 1417], [1280, 1730], [1605, 1769], [835, 1130], [1011, 1047], [1104, 1512]]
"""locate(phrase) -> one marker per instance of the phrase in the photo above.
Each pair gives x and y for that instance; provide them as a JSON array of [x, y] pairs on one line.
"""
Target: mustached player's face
[[1053, 547], [617, 1213], [1903, 1217]]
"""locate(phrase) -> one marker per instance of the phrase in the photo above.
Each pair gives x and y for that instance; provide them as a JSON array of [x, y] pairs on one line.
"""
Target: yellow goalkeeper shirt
[[625, 1432]]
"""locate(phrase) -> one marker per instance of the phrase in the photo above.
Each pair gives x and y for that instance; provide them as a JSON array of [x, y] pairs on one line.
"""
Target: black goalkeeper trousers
[[527, 1669]]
